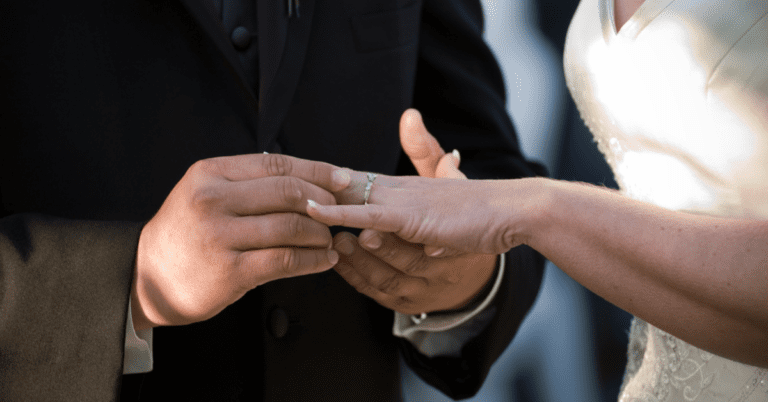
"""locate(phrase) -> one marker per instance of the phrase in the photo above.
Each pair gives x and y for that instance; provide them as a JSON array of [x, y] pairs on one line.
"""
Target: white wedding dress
[[677, 101]]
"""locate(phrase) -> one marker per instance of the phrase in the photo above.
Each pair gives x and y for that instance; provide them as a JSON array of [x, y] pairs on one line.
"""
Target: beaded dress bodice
[[677, 101]]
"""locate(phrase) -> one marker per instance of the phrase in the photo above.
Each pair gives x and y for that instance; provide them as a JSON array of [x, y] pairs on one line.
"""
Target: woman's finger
[[370, 216], [448, 167]]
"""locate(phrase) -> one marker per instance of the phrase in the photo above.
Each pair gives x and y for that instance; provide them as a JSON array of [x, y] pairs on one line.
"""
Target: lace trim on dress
[[638, 339], [678, 371]]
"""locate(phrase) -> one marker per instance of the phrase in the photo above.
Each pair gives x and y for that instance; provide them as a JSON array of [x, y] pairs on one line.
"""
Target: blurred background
[[572, 346]]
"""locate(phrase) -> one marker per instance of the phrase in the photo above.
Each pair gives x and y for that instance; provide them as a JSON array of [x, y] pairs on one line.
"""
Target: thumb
[[420, 146]]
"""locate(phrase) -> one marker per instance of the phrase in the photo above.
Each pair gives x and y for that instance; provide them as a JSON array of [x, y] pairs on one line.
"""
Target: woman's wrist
[[528, 208]]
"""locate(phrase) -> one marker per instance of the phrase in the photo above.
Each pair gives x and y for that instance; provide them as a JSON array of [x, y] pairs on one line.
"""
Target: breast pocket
[[386, 29]]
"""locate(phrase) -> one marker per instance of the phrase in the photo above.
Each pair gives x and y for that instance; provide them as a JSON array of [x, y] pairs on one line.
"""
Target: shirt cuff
[[138, 348], [446, 334]]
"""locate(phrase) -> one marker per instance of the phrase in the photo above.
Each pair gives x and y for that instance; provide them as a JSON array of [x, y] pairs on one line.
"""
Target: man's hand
[[229, 225], [398, 274]]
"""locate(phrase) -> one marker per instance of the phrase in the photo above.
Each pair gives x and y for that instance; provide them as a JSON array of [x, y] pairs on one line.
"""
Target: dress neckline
[[636, 23]]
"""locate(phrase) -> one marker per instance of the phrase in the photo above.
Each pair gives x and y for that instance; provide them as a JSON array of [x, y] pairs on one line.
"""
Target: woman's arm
[[701, 278]]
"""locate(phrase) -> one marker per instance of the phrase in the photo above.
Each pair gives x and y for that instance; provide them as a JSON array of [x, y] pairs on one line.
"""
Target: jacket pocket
[[386, 29]]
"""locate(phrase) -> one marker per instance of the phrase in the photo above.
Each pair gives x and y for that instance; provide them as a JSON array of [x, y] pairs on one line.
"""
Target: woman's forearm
[[701, 278]]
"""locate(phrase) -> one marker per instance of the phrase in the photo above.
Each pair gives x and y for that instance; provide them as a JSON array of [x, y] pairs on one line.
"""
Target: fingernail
[[333, 257], [373, 242], [456, 155], [437, 253], [345, 247], [341, 178], [312, 204]]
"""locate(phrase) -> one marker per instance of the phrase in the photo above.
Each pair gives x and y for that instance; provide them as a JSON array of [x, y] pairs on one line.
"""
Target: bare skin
[[623, 11], [701, 278], [229, 225], [234, 223], [397, 273]]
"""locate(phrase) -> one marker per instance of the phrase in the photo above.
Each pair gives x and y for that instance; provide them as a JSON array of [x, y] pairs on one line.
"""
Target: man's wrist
[[406, 325], [477, 299]]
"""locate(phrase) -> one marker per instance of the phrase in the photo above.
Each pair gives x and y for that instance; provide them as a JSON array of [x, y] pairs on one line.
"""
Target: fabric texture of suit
[[105, 104]]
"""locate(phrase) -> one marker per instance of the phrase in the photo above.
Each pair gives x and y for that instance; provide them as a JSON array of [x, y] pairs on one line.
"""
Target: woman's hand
[[404, 276], [478, 216]]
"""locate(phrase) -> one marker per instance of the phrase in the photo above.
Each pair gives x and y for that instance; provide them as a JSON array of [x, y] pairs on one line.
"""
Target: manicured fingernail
[[341, 178], [373, 242], [437, 253], [333, 257], [456, 155], [345, 247], [312, 204]]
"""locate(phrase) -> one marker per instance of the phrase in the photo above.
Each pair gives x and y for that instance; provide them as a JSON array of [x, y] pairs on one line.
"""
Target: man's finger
[[272, 194], [277, 230], [448, 167], [261, 266], [256, 166], [406, 257], [374, 277], [420, 146]]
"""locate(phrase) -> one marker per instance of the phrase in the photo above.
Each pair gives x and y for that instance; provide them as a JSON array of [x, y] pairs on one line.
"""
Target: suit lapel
[[282, 47]]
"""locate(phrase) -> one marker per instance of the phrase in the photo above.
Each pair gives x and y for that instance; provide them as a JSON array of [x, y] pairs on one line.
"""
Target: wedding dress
[[677, 101]]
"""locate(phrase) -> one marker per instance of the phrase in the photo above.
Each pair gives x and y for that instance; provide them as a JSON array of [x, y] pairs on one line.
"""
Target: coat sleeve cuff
[[446, 334]]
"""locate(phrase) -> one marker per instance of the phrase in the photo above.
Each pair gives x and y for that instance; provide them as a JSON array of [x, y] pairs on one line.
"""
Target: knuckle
[[316, 173], [294, 226], [364, 287], [390, 285], [387, 253], [416, 265], [289, 262], [291, 191], [453, 277], [413, 228], [213, 236], [205, 166], [206, 197], [508, 240], [354, 280], [404, 304], [276, 164], [376, 214]]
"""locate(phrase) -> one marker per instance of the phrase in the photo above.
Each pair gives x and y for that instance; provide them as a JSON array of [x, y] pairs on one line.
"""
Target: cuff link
[[417, 319]]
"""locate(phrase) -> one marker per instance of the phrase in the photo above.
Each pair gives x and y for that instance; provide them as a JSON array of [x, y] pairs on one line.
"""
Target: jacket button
[[278, 322], [241, 38]]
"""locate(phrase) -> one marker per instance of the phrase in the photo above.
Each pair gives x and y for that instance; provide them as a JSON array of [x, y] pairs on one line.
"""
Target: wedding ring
[[368, 186]]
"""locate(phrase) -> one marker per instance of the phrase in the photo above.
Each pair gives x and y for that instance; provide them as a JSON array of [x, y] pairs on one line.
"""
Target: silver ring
[[368, 186]]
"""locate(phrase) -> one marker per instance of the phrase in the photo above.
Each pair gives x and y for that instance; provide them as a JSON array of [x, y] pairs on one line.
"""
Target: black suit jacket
[[104, 104]]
